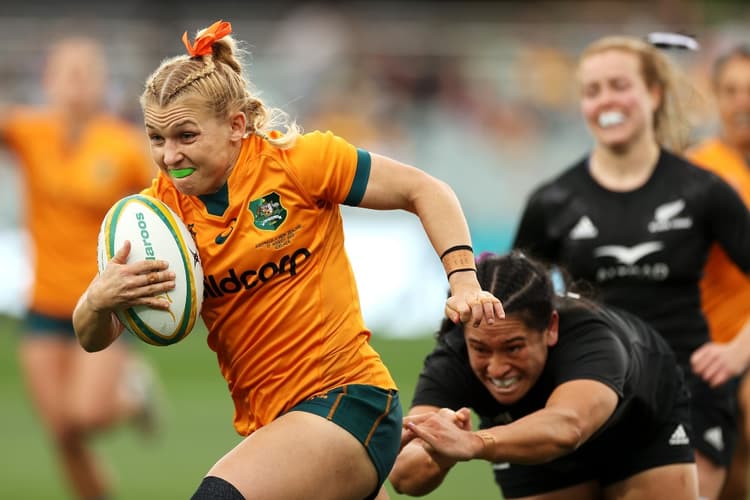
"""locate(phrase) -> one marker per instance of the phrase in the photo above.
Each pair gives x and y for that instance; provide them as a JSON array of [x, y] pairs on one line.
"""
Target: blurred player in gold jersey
[[76, 160]]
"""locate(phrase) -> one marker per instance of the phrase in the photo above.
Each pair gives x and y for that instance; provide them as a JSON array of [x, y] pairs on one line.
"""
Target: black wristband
[[456, 248], [460, 270]]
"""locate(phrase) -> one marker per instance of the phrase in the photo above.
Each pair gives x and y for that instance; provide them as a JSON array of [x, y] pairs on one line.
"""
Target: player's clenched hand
[[121, 285], [468, 303], [717, 363]]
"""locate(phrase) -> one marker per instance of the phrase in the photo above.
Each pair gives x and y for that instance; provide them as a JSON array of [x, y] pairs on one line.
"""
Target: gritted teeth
[[610, 118], [503, 383]]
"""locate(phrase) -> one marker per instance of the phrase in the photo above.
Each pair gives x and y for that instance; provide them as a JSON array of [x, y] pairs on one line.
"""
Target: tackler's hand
[[446, 434]]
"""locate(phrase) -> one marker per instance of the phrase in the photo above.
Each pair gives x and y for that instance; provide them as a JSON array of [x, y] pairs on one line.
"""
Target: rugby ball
[[155, 232]]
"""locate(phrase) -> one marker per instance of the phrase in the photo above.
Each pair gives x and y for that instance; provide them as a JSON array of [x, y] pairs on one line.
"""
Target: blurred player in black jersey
[[575, 399], [637, 221]]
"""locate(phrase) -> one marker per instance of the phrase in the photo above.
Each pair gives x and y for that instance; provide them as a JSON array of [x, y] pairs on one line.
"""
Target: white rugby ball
[[155, 232]]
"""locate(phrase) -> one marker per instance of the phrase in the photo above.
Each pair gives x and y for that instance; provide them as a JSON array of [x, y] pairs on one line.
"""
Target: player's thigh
[[743, 401], [679, 480], [44, 362], [96, 384], [299, 456], [711, 476], [713, 415]]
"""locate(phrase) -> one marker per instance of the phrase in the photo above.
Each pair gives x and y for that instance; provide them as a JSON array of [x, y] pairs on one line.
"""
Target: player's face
[[196, 149], [733, 99], [507, 356], [75, 76], [615, 102]]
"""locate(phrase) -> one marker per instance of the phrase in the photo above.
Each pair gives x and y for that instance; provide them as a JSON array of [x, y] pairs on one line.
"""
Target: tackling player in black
[[576, 400]]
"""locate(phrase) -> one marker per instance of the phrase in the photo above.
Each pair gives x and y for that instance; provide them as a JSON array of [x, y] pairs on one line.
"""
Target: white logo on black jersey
[[679, 436], [669, 210], [627, 265], [501, 466], [629, 255], [665, 217], [714, 437], [584, 229]]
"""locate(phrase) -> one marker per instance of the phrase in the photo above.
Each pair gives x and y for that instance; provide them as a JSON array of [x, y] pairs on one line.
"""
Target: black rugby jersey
[[602, 344], [644, 250]]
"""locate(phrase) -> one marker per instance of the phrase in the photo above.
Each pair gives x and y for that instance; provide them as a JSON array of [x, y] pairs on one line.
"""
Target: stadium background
[[480, 94]]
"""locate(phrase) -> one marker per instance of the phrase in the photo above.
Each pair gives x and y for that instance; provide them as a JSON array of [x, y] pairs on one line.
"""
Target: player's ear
[[552, 329], [657, 94], [238, 123]]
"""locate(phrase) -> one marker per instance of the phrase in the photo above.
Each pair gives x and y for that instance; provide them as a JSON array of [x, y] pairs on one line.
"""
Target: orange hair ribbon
[[205, 41]]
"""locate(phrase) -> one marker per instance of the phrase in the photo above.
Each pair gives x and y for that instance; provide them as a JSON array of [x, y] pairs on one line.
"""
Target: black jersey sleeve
[[729, 220]]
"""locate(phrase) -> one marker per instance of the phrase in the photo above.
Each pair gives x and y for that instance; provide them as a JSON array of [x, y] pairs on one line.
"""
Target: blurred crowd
[[479, 94]]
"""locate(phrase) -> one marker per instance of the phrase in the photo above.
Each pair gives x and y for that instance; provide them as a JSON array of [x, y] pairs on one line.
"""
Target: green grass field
[[198, 428]]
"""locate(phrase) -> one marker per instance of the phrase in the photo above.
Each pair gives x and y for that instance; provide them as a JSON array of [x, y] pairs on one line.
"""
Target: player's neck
[[742, 147], [624, 169], [75, 123]]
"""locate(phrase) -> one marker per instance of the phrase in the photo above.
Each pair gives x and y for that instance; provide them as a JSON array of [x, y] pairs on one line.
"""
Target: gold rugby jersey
[[725, 289], [68, 188], [280, 300]]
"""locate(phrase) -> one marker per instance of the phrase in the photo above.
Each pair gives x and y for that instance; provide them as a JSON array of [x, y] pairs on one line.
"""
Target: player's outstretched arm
[[419, 468], [574, 411]]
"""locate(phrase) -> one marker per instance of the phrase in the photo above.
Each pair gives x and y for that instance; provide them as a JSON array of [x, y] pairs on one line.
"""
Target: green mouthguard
[[179, 173]]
